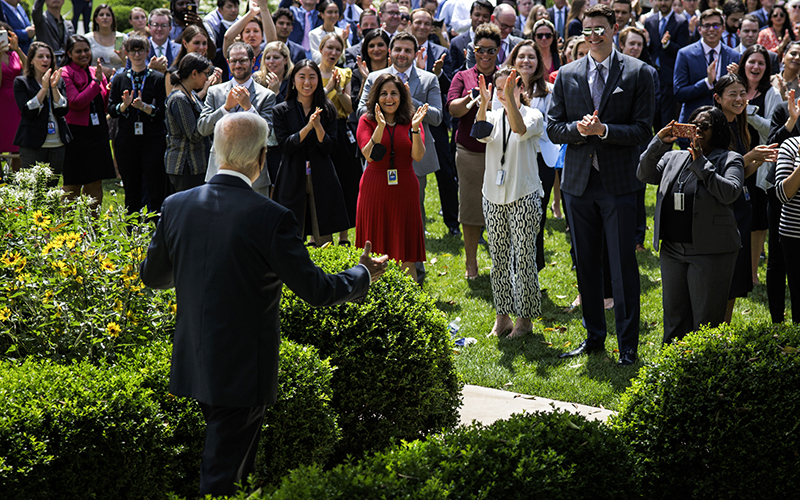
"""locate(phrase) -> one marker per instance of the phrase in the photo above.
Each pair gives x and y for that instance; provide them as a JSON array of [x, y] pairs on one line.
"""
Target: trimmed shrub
[[715, 417], [394, 378], [122, 9], [83, 431], [542, 455]]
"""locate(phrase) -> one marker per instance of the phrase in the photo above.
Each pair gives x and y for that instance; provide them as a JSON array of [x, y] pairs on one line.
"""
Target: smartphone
[[752, 109], [192, 8], [684, 130], [438, 24], [3, 36], [118, 42]]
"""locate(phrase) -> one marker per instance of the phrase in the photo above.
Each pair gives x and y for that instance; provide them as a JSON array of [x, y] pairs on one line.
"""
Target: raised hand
[[45, 78], [254, 7], [419, 58], [273, 82], [127, 98], [763, 153], [13, 41], [486, 91], [55, 77], [794, 106], [665, 38], [375, 266], [242, 96], [665, 134], [732, 68], [695, 149], [346, 33], [333, 83], [511, 83], [98, 72], [379, 116], [419, 115], [316, 118], [439, 64], [362, 68], [158, 63], [215, 77]]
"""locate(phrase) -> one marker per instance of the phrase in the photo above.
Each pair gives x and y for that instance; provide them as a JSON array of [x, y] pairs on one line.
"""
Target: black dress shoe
[[627, 357], [454, 231], [581, 349]]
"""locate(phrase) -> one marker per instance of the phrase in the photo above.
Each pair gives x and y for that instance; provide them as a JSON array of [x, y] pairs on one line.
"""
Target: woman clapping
[[512, 196], [390, 137]]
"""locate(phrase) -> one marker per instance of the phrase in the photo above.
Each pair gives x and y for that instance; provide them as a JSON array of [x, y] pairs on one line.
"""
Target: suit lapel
[[583, 82], [413, 80], [611, 82]]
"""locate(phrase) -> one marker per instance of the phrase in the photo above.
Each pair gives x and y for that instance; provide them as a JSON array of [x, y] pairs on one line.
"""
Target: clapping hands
[[419, 115]]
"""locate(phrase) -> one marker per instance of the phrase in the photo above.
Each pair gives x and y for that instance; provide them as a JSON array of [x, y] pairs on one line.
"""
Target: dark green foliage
[[394, 376], [716, 416], [544, 455], [122, 9], [87, 431]]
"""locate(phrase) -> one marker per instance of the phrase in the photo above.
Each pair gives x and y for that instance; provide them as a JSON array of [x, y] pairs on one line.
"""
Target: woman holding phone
[[11, 62], [106, 41], [694, 220]]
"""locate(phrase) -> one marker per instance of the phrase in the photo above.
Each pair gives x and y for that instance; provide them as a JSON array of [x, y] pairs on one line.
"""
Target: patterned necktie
[[560, 23], [501, 55], [160, 51], [403, 77], [598, 85], [306, 30]]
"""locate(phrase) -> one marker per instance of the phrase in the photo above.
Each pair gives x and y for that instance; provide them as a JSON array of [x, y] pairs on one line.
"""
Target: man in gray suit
[[603, 110], [503, 17], [240, 94], [51, 27], [424, 88]]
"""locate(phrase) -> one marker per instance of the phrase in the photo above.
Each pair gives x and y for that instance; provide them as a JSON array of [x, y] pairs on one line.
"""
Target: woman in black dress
[[306, 126]]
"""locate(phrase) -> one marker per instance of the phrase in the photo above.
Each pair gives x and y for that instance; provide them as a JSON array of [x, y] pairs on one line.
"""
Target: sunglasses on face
[[599, 31], [486, 50], [544, 36], [778, 14]]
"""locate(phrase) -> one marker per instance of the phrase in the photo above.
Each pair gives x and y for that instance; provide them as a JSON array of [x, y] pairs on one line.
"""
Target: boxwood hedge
[[395, 378], [716, 416]]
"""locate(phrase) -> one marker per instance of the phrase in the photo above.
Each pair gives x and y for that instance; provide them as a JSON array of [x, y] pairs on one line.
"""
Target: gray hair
[[238, 140]]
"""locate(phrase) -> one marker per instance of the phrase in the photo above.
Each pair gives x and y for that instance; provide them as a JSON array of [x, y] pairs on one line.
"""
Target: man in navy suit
[[558, 14], [306, 18], [227, 251], [698, 66], [479, 13], [763, 13], [666, 25], [162, 50], [283, 19], [603, 110]]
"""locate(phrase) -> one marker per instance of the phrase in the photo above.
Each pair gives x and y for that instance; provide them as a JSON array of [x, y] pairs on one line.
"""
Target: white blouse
[[521, 176]]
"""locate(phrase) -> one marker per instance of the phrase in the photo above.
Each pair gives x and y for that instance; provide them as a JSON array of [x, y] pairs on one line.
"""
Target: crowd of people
[[519, 110]]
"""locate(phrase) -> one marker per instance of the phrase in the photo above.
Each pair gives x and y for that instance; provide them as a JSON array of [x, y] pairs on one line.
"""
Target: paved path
[[488, 405]]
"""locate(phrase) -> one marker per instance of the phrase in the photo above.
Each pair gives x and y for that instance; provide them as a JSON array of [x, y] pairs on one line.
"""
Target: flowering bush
[[69, 281]]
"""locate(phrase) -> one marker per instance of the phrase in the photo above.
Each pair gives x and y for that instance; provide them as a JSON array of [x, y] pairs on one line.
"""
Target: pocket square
[[617, 90]]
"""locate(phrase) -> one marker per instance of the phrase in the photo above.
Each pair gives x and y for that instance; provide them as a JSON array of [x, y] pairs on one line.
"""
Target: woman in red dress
[[390, 137]]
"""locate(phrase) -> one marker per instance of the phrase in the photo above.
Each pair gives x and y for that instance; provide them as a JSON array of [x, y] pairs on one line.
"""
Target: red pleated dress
[[389, 215]]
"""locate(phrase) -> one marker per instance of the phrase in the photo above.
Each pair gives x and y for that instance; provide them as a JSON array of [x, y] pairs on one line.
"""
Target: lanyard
[[683, 182], [391, 145], [506, 139], [140, 89]]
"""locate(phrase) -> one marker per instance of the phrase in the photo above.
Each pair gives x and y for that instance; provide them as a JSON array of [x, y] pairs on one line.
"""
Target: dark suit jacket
[[551, 15], [47, 28], [32, 130], [689, 81], [720, 180], [228, 250], [762, 17], [678, 29], [351, 56], [296, 51], [626, 108], [153, 93], [447, 68], [457, 47]]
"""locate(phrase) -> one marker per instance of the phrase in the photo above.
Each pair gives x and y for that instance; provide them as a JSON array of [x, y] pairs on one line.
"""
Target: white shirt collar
[[707, 48], [606, 63], [234, 173], [247, 84], [662, 16]]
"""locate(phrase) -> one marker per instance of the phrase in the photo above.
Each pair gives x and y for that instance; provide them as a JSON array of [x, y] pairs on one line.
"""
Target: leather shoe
[[627, 357], [454, 231], [581, 349]]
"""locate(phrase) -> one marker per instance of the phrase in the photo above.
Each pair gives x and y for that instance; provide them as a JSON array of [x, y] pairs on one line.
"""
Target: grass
[[530, 365]]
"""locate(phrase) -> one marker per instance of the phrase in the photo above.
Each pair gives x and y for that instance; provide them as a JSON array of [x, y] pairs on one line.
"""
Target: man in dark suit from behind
[[603, 110], [227, 251], [663, 25]]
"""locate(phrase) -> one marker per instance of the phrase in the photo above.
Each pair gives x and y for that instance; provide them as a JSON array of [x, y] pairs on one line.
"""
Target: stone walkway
[[488, 405]]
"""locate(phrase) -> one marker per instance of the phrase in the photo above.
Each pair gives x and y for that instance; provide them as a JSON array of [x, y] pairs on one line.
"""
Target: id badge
[[501, 177], [746, 193], [138, 128], [351, 137], [678, 201], [51, 127], [95, 119], [308, 168], [391, 176]]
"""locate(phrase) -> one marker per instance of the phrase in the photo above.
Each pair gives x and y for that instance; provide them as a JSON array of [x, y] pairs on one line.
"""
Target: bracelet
[[414, 131]]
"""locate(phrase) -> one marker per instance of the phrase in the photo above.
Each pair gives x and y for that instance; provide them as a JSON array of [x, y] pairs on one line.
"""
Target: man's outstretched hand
[[376, 266]]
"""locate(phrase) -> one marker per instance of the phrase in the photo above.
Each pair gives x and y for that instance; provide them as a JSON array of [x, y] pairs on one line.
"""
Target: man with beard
[[733, 10]]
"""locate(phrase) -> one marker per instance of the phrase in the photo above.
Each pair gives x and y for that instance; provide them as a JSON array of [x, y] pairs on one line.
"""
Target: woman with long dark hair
[[104, 39], [137, 100], [41, 98], [306, 127], [730, 95], [544, 35], [390, 137], [187, 153], [374, 56], [779, 32], [695, 221], [88, 156]]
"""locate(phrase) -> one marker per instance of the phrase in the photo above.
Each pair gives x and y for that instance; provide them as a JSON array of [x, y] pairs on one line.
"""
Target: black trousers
[[776, 267], [547, 176], [791, 249], [229, 453], [446, 176], [141, 163]]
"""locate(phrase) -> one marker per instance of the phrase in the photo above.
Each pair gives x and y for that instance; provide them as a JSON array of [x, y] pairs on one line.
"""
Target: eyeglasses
[[391, 13], [544, 36], [714, 26], [778, 14], [243, 62], [159, 25], [486, 50], [599, 31], [137, 52], [504, 26]]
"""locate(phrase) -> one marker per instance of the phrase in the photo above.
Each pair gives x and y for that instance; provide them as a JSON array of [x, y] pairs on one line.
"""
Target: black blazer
[[153, 93], [228, 251], [678, 29], [32, 130]]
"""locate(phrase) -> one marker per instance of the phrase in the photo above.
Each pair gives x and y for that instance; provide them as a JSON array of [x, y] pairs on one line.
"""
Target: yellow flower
[[5, 313], [107, 265], [113, 329], [136, 254], [118, 305], [64, 269], [41, 219], [173, 308], [71, 239], [48, 295], [11, 259], [49, 248]]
